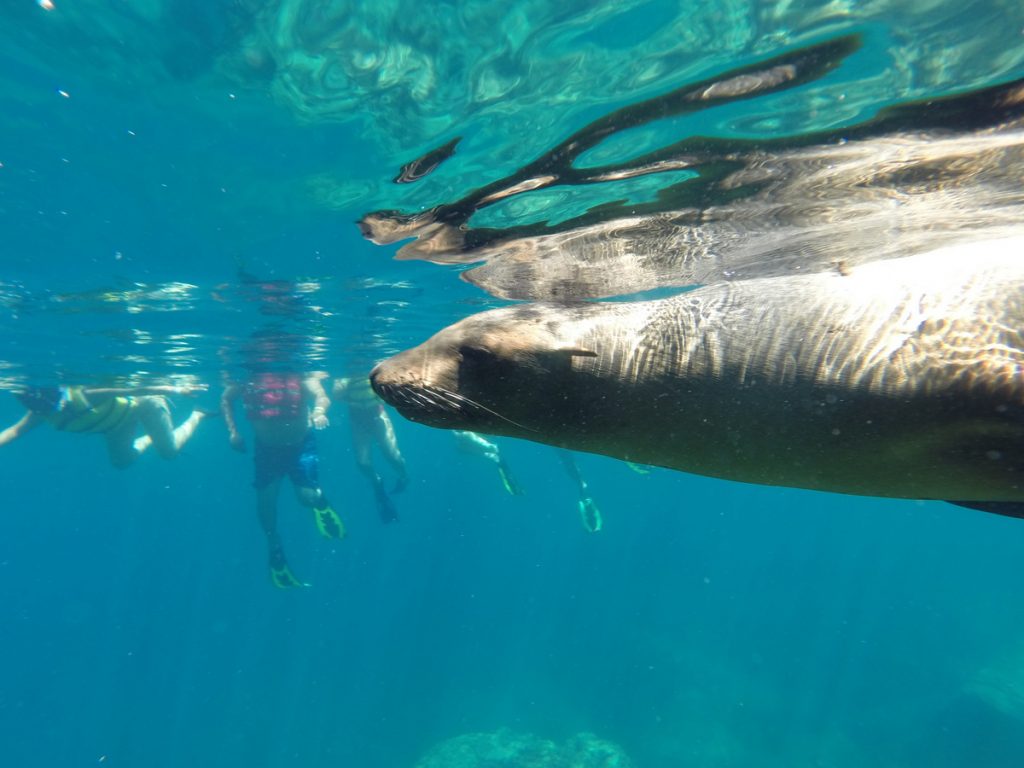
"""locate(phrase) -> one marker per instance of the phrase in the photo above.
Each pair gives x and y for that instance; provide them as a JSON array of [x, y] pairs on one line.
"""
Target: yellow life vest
[[77, 414], [359, 393]]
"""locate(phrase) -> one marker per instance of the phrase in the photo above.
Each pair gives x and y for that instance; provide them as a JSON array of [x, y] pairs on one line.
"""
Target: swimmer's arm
[[476, 444], [320, 402], [340, 388], [159, 389], [25, 424], [227, 409], [474, 440]]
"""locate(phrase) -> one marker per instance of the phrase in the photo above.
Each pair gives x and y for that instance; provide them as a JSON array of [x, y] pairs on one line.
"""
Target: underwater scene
[[539, 384]]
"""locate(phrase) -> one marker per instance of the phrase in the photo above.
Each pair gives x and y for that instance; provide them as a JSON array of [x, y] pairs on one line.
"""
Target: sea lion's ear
[[577, 352]]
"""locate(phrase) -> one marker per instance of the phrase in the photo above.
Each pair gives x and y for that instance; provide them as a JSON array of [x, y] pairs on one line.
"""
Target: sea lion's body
[[900, 378]]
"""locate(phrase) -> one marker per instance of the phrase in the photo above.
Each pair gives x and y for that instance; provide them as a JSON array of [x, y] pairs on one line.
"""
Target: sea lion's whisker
[[422, 398], [448, 397], [442, 399], [463, 399]]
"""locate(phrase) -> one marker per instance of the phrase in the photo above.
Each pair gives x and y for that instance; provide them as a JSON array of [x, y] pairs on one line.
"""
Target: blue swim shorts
[[300, 462]]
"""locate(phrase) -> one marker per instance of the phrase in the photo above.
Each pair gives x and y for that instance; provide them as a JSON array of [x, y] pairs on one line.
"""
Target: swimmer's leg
[[155, 415], [507, 479], [389, 447], [267, 482], [281, 575], [385, 507], [304, 473], [590, 514]]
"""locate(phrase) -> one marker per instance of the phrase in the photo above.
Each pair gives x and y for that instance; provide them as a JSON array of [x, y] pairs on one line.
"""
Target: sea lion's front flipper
[[1007, 508], [425, 164]]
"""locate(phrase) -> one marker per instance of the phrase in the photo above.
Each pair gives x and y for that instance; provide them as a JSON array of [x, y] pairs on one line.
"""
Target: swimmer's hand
[[319, 418], [237, 442]]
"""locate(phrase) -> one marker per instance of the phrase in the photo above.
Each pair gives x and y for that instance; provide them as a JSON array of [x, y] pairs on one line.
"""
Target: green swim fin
[[508, 481], [283, 577], [328, 522], [280, 574]]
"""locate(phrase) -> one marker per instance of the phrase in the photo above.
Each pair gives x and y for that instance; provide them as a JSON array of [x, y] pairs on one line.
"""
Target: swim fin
[[280, 574], [328, 522], [385, 507], [508, 481], [283, 577], [590, 515]]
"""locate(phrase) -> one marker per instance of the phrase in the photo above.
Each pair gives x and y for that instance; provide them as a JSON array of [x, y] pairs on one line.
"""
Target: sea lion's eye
[[476, 354]]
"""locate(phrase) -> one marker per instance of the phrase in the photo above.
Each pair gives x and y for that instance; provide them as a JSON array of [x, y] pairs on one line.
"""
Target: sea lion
[[899, 378]]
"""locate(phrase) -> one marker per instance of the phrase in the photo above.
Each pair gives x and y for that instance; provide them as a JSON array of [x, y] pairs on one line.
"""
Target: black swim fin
[[385, 508], [1007, 508]]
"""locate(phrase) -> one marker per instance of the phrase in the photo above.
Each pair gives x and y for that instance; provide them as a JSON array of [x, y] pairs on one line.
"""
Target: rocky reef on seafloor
[[980, 725], [1000, 685], [507, 749]]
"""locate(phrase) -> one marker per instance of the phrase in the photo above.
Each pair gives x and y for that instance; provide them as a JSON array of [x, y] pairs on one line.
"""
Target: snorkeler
[[370, 425], [284, 409], [478, 445], [115, 413]]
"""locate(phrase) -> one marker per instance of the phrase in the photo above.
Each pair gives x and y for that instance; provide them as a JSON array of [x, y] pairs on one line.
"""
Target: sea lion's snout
[[382, 383], [393, 379], [385, 227], [421, 383], [494, 372]]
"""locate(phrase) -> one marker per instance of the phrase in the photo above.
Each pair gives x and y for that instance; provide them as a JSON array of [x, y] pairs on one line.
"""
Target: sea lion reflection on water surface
[[901, 378], [909, 178]]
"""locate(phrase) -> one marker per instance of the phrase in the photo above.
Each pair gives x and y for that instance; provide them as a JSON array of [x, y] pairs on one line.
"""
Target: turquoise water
[[178, 174]]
